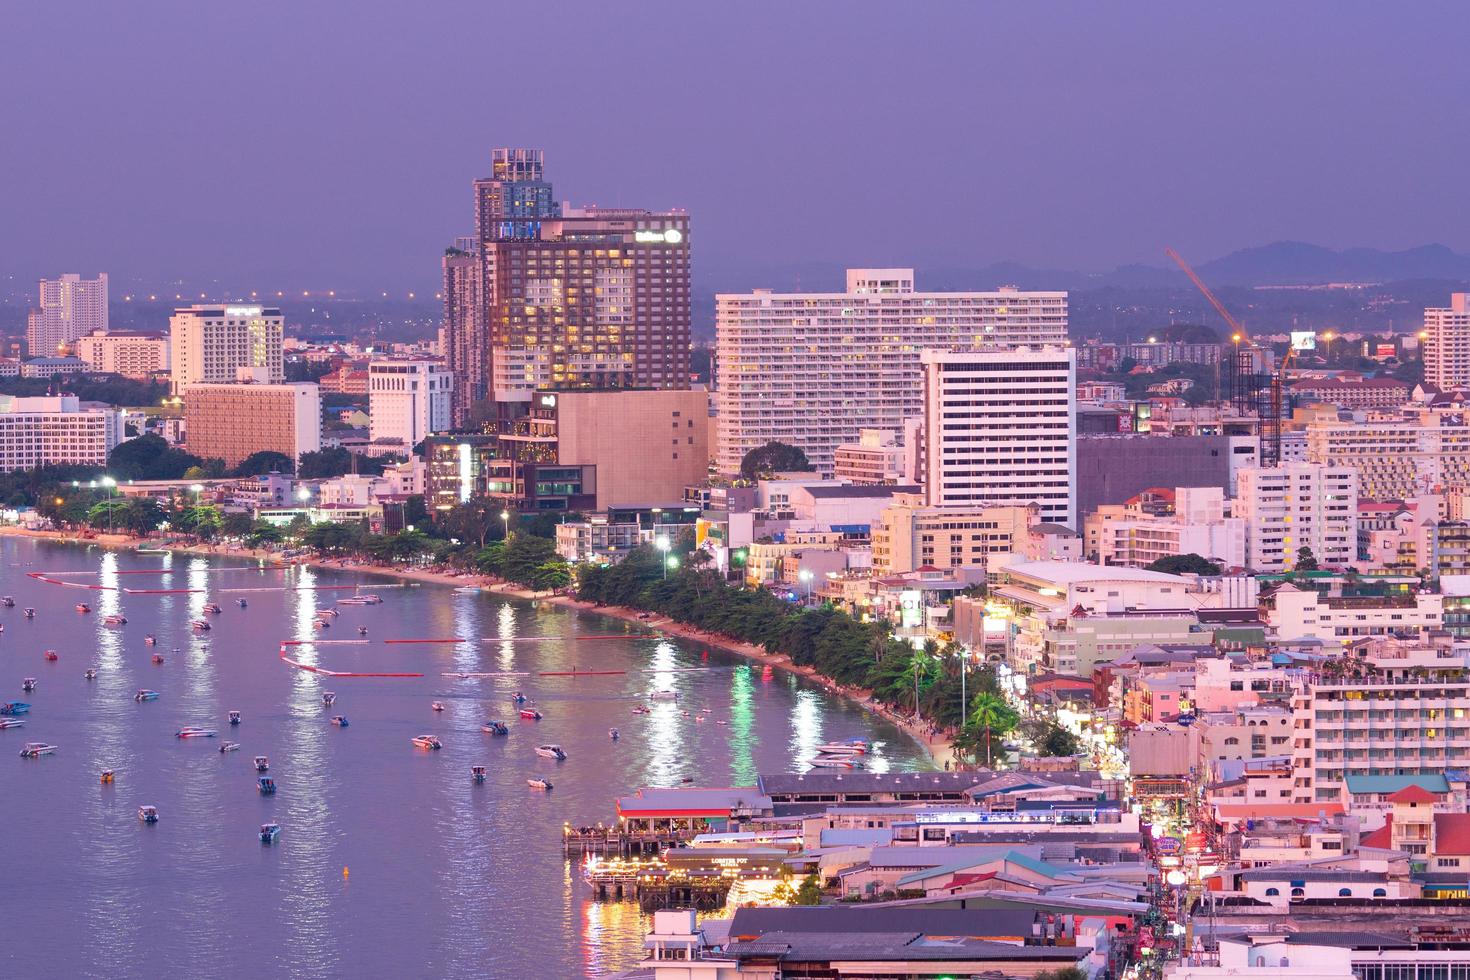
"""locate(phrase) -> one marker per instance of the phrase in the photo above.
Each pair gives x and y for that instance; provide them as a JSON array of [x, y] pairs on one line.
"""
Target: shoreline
[[939, 747]]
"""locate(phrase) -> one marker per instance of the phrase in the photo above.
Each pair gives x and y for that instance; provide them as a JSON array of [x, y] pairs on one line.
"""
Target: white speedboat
[[665, 695], [34, 750], [428, 742], [538, 782], [230, 747], [195, 733], [834, 762], [551, 751], [841, 748]]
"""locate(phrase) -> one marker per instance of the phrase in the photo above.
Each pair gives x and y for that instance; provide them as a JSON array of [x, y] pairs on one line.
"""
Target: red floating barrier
[[579, 673], [449, 639]]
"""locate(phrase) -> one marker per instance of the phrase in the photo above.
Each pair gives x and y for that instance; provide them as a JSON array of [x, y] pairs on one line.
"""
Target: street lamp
[[109, 483], [805, 575], [505, 520], [662, 543]]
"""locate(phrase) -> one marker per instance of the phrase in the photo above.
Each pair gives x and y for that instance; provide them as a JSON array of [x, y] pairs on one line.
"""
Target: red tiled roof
[[1381, 838], [1412, 794], [1452, 833]]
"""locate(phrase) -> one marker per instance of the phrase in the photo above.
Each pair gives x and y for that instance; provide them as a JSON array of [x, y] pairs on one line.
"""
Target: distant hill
[[1286, 263]]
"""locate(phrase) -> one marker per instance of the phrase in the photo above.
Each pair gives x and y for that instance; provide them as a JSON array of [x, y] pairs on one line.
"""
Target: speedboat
[[495, 728], [241, 603], [262, 764], [269, 832], [477, 773], [52, 656], [320, 624], [539, 782], [213, 609], [157, 658], [427, 742], [642, 709], [362, 631], [91, 674], [114, 620], [834, 762], [665, 695], [82, 607], [29, 684], [200, 625], [14, 707], [340, 721], [467, 589], [360, 599], [10, 723], [230, 747], [841, 748], [148, 814], [34, 750], [30, 613], [531, 714], [437, 705], [195, 733], [614, 734], [518, 698], [146, 696], [150, 639], [327, 614], [551, 751], [266, 785], [107, 776], [328, 697], [234, 717], [7, 602]]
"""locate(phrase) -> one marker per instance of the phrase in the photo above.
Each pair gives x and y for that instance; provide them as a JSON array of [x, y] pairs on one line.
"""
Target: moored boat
[[840, 748], [146, 696], [477, 773], [241, 603], [495, 728], [91, 674], [266, 785], [82, 607], [428, 742], [148, 814], [29, 684], [320, 624], [327, 614], [437, 705], [262, 764], [538, 782], [10, 723], [7, 602], [192, 732], [14, 707], [328, 697], [530, 714], [150, 639], [340, 721], [34, 750], [234, 717], [212, 608], [200, 625], [665, 695], [518, 698], [229, 747], [614, 734], [551, 751], [642, 709], [834, 762], [52, 656], [114, 620], [269, 832], [157, 658], [107, 775]]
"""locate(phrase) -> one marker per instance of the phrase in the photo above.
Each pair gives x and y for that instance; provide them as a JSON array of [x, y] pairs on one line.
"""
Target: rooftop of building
[[691, 801], [1434, 782], [968, 923], [889, 946], [1074, 572], [857, 490]]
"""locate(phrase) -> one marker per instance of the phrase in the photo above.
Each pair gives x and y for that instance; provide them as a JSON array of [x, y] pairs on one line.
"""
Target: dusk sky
[[333, 144]]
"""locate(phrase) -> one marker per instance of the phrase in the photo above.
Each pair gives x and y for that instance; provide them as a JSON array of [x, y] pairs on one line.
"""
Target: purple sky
[[333, 144]]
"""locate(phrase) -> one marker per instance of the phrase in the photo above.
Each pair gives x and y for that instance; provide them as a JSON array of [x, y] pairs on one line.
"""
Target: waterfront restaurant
[[691, 810]]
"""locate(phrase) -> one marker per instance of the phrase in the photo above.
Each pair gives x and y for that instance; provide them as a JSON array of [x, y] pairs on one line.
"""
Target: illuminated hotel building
[[1447, 343], [813, 369], [70, 307], [210, 343], [568, 297], [236, 420]]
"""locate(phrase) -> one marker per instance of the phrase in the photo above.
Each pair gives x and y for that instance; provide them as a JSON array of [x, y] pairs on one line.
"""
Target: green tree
[[265, 461], [773, 457], [297, 527], [990, 716], [149, 458], [810, 891], [262, 532], [236, 525], [200, 520], [1182, 564], [1062, 973], [1305, 560], [551, 576], [327, 463], [1059, 742]]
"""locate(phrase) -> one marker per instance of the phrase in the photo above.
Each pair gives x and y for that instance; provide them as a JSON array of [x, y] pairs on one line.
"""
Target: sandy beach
[[938, 745]]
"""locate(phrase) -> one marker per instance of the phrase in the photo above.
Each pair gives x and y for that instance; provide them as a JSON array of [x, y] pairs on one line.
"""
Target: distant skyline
[[333, 145]]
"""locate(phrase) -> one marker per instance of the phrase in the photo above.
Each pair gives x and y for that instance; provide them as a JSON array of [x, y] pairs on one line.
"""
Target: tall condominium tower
[[70, 307], [568, 298], [1000, 430], [812, 369], [1447, 343], [211, 343]]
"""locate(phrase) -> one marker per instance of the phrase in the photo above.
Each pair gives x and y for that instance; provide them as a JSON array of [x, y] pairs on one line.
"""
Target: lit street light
[[663, 544], [805, 575], [505, 519], [109, 483]]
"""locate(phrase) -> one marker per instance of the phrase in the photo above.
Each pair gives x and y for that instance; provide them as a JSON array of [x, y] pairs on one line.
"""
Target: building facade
[[55, 430], [69, 307], [208, 343], [909, 535], [132, 355], [462, 337], [1000, 430], [1396, 458], [408, 400], [232, 421], [1447, 343], [812, 369], [1295, 506]]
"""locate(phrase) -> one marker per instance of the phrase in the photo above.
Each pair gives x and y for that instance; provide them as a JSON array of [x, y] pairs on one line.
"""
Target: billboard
[[1303, 340]]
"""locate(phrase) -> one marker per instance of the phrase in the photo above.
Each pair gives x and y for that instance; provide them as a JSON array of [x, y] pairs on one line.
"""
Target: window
[[1272, 892], [1344, 893], [1380, 893], [1298, 893]]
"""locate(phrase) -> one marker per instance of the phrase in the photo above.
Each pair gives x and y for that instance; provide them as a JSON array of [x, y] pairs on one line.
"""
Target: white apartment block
[[208, 343], [1300, 614], [1411, 714], [1000, 430], [55, 430], [1395, 459], [812, 369], [1295, 506], [1141, 542], [878, 457], [1447, 343], [408, 400], [133, 355], [70, 307], [908, 535]]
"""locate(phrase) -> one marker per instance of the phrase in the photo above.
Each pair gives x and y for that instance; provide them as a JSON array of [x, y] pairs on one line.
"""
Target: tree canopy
[[1185, 564], [773, 457], [150, 457], [265, 461], [326, 463]]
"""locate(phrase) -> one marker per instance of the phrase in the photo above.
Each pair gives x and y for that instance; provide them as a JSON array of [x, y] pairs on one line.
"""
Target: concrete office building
[[208, 343], [910, 535], [133, 355], [1000, 430], [1447, 343], [880, 457], [813, 369], [1114, 468], [1395, 459], [70, 307], [569, 298], [1295, 506], [55, 430], [461, 337], [232, 421], [408, 400]]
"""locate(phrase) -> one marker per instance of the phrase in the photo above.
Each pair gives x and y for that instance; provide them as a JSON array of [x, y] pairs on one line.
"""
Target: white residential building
[[1000, 430], [133, 355], [1198, 526], [1295, 506], [1447, 343], [880, 456], [1396, 457], [55, 430], [70, 307], [812, 369], [408, 400], [1299, 614], [209, 343]]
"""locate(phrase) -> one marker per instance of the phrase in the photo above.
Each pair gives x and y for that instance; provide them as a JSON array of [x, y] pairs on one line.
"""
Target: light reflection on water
[[447, 878]]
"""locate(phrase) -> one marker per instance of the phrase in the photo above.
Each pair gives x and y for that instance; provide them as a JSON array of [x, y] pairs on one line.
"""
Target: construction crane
[[1250, 390]]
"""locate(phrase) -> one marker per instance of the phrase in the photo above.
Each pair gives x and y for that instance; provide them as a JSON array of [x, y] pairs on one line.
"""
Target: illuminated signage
[[466, 471], [243, 310], [1303, 340], [670, 236], [549, 401]]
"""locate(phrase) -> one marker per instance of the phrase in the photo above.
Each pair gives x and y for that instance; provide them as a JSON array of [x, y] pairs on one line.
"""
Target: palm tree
[[991, 715]]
